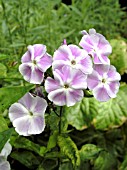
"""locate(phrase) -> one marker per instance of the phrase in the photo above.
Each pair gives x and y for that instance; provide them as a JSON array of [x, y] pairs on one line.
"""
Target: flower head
[[67, 86], [34, 63], [97, 46], [104, 81], [27, 116], [74, 57]]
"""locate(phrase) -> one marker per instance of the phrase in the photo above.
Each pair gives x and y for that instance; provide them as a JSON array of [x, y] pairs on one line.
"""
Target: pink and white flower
[[34, 63], [97, 46], [72, 56], [27, 116], [104, 82], [67, 86]]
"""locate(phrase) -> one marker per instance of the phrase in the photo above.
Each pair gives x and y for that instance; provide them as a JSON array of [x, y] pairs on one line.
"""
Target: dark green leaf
[[9, 95]]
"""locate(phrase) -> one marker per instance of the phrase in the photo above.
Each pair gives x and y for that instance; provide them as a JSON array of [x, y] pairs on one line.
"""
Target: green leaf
[[3, 124], [112, 113], [25, 143], [52, 141], [119, 55], [4, 136], [26, 158], [81, 114], [105, 161], [4, 56], [9, 95], [124, 164], [69, 149], [3, 70], [89, 151]]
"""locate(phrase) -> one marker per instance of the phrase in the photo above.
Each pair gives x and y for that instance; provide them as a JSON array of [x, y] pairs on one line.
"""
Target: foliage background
[[94, 135]]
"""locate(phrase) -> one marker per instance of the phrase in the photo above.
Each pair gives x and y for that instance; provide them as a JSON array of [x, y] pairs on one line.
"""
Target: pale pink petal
[[58, 64], [93, 80], [37, 76], [100, 93], [113, 75], [78, 79], [27, 100], [86, 43], [37, 125], [26, 57], [63, 53], [45, 62], [85, 65], [92, 31], [22, 125], [73, 96], [112, 89], [104, 47], [39, 50], [101, 69], [16, 111], [25, 70], [51, 84], [58, 97], [75, 50], [39, 107]]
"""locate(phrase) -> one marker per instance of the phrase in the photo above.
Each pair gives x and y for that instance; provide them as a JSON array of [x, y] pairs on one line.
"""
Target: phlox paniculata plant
[[74, 69]]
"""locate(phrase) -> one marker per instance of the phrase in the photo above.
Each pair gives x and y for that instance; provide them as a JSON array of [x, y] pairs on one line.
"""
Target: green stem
[[60, 121]]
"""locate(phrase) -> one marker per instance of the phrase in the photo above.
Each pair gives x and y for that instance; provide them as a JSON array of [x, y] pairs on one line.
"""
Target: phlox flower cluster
[[74, 69]]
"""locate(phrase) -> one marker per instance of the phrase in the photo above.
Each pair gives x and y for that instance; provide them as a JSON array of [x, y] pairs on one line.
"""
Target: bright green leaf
[[3, 124], [124, 164], [52, 141], [3, 70]]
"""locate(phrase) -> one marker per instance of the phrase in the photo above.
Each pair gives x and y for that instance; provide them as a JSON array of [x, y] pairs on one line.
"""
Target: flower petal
[[45, 62], [22, 125], [27, 101], [100, 93], [26, 57], [37, 76], [73, 96], [39, 106], [101, 69], [25, 70], [4, 165], [93, 80], [51, 84], [63, 53], [113, 75], [37, 125], [16, 111], [85, 65], [78, 79], [112, 89], [39, 50], [58, 97]]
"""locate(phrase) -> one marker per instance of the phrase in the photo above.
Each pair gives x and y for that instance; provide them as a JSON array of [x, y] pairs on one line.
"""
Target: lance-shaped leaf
[[69, 149], [9, 95]]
